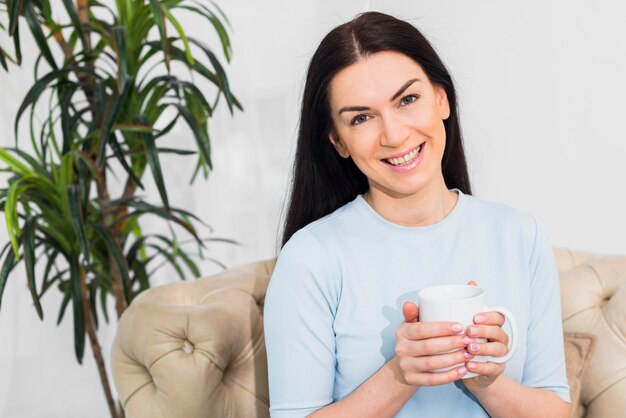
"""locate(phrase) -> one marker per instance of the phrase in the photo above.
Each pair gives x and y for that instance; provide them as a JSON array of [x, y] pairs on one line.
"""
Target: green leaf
[[35, 91], [220, 11], [17, 46], [66, 101], [170, 258], [40, 38], [3, 60], [167, 128], [14, 164], [77, 219], [199, 135], [71, 11], [142, 207], [137, 247], [153, 160], [39, 169], [47, 282], [104, 305], [175, 151], [181, 32], [14, 9], [159, 20], [79, 308], [10, 209], [119, 154], [117, 256], [217, 24], [221, 75], [122, 64], [110, 118], [182, 254], [66, 299], [192, 90], [7, 266], [30, 261], [179, 55]]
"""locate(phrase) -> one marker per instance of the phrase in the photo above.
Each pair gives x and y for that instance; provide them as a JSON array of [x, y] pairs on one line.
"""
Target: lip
[[402, 154], [408, 167]]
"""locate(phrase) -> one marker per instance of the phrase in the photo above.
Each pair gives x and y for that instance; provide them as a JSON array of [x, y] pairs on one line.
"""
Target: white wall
[[542, 87]]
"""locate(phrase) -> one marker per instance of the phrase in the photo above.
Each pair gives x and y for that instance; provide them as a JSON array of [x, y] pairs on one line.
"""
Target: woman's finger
[[489, 318], [488, 349], [488, 368], [440, 361], [435, 378], [489, 332], [432, 346], [423, 330], [410, 311]]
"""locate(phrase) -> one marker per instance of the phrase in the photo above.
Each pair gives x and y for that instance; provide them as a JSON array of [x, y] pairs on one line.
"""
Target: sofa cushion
[[578, 346]]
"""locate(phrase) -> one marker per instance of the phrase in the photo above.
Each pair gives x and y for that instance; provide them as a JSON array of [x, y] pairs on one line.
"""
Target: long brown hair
[[322, 180]]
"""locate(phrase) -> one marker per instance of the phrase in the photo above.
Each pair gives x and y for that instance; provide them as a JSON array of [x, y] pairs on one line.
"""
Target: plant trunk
[[109, 217], [97, 350]]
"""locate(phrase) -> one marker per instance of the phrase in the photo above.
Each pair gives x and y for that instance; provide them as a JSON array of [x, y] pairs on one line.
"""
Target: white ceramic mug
[[460, 303]]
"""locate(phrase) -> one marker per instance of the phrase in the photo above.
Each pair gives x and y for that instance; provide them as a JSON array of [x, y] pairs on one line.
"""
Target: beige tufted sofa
[[196, 349]]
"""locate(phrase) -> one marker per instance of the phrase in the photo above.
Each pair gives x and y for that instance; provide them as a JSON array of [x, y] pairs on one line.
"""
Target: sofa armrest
[[593, 302], [175, 353]]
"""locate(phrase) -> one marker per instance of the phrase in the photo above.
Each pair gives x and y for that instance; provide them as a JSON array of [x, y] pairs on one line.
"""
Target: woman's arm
[[382, 395], [543, 390], [498, 394], [507, 398], [389, 389]]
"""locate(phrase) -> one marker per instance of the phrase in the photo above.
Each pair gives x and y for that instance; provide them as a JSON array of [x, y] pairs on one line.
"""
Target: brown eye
[[358, 119], [406, 100]]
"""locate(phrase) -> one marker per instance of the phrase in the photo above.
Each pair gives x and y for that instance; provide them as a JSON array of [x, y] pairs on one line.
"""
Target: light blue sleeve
[[545, 359], [300, 307]]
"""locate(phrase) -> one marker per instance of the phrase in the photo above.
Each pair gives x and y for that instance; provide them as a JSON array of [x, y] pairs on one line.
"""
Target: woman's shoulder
[[327, 227], [499, 212], [504, 220]]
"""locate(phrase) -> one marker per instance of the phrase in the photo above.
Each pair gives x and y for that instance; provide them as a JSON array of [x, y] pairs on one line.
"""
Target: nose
[[394, 132]]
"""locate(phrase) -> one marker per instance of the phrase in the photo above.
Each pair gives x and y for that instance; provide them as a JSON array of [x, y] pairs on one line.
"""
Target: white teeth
[[405, 159]]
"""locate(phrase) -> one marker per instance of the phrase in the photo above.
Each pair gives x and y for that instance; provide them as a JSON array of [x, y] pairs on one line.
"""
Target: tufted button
[[188, 347]]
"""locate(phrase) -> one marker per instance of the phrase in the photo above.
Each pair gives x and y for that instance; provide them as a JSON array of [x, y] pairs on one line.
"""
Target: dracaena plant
[[107, 90]]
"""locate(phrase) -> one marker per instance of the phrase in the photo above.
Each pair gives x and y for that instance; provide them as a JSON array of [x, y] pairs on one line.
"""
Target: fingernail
[[471, 365], [461, 371], [474, 347], [468, 340], [473, 331], [456, 327], [466, 354], [479, 319]]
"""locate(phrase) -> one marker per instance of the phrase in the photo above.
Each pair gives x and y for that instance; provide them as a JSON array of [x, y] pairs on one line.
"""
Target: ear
[[442, 102], [339, 146]]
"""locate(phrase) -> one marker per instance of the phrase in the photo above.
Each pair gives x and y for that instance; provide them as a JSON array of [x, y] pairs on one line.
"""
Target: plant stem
[[109, 218], [96, 349]]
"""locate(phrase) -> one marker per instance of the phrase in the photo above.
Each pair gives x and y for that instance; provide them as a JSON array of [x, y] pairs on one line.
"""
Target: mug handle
[[512, 338]]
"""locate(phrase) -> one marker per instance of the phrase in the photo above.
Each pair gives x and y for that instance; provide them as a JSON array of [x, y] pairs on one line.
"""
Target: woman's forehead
[[373, 78]]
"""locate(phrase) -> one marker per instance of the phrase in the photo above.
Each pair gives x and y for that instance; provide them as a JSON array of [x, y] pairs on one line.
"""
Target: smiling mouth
[[407, 159]]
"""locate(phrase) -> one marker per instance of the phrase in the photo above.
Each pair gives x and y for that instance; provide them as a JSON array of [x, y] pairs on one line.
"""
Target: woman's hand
[[418, 345], [488, 325]]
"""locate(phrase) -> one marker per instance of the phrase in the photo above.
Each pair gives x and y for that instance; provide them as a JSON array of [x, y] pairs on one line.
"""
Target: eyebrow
[[394, 97]]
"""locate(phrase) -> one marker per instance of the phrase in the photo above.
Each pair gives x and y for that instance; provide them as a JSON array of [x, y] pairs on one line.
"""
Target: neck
[[426, 207]]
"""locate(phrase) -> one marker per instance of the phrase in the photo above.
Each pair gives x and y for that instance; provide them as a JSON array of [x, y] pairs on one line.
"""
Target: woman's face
[[388, 118]]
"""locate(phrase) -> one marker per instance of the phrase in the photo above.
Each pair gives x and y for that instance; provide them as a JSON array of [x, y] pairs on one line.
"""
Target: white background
[[541, 87]]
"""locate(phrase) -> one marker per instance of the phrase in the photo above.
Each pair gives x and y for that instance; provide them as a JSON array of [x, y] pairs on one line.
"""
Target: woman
[[381, 207]]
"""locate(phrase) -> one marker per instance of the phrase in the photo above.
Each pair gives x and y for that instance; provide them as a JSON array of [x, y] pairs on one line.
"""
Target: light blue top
[[335, 301]]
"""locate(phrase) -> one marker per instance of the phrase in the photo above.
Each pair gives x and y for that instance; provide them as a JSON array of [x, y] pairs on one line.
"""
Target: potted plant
[[108, 86]]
